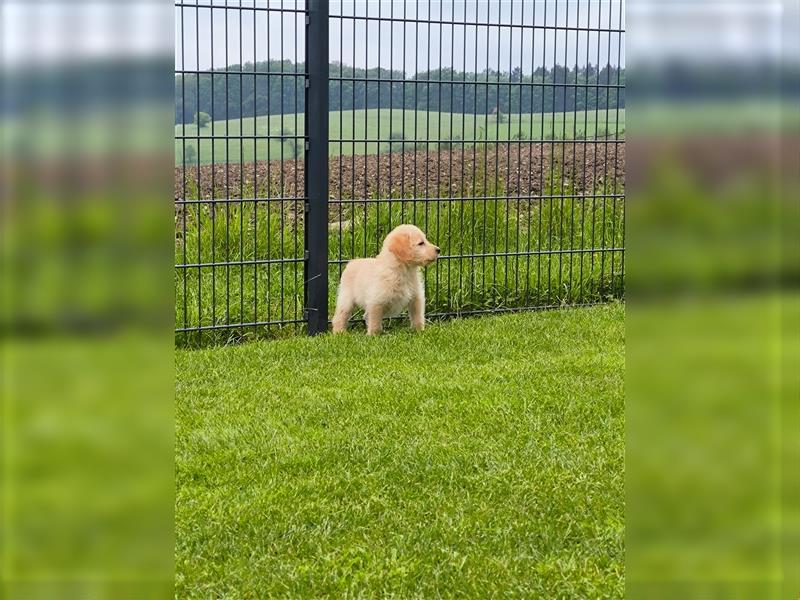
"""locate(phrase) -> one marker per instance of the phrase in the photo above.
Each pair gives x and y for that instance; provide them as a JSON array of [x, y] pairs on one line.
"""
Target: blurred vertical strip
[[87, 408], [713, 271], [790, 322]]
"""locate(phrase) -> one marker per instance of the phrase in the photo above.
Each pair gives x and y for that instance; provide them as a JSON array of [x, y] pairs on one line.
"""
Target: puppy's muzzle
[[431, 260]]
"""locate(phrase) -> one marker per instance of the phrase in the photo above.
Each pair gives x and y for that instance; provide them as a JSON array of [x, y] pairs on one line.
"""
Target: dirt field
[[574, 168]]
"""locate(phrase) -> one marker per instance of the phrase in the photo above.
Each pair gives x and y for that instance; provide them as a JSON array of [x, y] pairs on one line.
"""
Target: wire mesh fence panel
[[239, 188], [497, 128]]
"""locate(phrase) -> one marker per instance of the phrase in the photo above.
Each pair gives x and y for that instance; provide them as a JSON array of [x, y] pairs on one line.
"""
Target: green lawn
[[411, 124], [483, 457]]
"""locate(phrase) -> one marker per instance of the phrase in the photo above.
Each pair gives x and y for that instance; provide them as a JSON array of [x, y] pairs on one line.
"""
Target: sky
[[50, 31], [710, 30], [44, 32], [410, 46]]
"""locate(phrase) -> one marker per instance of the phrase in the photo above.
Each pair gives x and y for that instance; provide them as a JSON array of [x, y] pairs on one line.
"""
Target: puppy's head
[[410, 246]]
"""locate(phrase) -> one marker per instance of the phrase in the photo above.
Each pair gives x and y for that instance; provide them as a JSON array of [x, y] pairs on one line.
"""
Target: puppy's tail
[[344, 306]]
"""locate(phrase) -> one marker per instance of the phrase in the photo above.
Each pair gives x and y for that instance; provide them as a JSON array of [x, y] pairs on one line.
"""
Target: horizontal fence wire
[[497, 128]]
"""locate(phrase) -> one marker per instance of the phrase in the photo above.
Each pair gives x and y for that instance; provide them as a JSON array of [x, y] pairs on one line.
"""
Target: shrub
[[189, 155], [290, 142], [201, 119]]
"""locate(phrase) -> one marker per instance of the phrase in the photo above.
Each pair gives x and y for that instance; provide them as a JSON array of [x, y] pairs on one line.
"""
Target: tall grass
[[497, 253]]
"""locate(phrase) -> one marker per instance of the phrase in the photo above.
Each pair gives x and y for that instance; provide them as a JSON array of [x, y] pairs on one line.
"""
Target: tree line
[[276, 87]]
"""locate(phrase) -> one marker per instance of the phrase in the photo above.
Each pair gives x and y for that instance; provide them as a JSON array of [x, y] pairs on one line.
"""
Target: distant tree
[[189, 155], [295, 149], [224, 98], [201, 119], [290, 142]]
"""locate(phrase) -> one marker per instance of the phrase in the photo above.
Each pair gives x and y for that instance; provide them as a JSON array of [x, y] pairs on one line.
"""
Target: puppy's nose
[[438, 249]]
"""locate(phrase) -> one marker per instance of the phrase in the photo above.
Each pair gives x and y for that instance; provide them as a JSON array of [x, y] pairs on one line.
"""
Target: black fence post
[[316, 167]]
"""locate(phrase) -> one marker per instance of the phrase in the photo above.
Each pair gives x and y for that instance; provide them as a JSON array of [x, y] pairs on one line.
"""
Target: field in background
[[372, 124]]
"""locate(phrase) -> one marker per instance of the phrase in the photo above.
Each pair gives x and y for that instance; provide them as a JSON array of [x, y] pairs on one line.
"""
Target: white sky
[[356, 42], [706, 30], [46, 31]]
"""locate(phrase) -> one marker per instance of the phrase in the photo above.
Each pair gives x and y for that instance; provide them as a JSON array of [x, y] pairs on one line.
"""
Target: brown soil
[[587, 167]]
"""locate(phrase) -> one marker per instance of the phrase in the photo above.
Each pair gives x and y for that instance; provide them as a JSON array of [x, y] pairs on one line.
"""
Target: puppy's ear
[[400, 246]]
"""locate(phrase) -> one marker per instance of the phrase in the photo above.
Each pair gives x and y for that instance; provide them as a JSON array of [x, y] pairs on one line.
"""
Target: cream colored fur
[[388, 284]]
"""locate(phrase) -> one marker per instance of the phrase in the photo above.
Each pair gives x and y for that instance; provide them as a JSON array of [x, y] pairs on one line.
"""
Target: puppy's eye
[[421, 244]]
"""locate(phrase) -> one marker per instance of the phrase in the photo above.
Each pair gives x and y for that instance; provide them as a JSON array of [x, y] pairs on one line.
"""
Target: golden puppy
[[389, 283]]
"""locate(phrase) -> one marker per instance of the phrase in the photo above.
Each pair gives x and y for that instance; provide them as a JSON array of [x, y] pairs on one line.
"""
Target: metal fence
[[305, 132]]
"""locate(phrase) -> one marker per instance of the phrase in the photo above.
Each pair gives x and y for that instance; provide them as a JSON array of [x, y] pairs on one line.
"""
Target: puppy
[[389, 283]]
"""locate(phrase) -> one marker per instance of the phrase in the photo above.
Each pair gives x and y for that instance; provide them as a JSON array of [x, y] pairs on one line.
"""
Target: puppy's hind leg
[[344, 308]]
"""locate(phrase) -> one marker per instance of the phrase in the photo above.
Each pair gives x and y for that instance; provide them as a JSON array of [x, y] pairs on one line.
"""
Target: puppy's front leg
[[416, 311], [374, 320]]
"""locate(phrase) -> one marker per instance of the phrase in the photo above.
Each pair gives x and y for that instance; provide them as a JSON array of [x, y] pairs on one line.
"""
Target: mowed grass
[[480, 458], [374, 124]]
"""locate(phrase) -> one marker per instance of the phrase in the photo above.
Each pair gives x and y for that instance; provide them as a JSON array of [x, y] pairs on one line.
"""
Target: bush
[[290, 142], [201, 119], [189, 155]]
